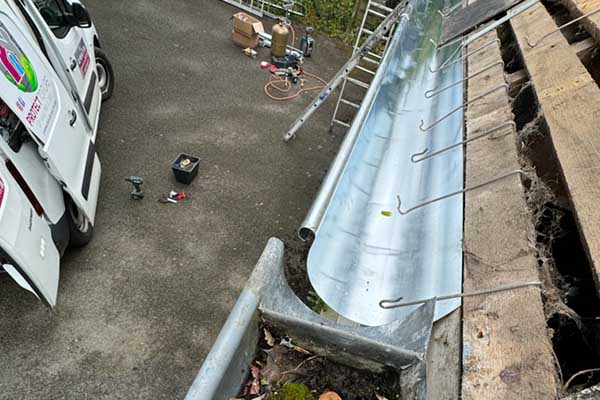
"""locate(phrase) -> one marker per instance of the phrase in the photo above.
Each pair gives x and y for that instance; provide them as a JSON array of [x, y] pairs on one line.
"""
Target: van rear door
[[77, 53], [31, 88], [27, 251]]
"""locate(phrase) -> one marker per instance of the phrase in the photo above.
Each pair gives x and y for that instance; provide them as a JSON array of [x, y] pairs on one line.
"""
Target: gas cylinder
[[279, 40]]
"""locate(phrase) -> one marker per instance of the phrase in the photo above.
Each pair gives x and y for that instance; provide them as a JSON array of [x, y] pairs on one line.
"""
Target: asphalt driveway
[[140, 307]]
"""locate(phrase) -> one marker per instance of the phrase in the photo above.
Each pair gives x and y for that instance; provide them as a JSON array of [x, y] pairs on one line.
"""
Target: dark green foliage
[[335, 19]]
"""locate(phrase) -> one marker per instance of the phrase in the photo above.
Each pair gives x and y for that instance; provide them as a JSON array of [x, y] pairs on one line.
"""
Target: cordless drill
[[137, 182]]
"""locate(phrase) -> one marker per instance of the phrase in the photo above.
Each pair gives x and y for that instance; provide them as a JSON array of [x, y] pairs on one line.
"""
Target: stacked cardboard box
[[245, 30]]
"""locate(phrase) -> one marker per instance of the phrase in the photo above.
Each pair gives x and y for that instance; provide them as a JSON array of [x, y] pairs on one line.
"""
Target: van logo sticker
[[28, 84], [21, 104], [83, 58], [15, 65]]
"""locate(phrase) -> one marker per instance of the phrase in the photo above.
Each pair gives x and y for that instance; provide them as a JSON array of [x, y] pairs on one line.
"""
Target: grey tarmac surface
[[140, 306]]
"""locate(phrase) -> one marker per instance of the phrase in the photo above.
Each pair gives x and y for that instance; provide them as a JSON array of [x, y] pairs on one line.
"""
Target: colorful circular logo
[[17, 68]]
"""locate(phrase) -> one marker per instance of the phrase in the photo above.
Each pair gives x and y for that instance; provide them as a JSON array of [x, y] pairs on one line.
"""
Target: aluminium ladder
[[361, 52], [373, 12]]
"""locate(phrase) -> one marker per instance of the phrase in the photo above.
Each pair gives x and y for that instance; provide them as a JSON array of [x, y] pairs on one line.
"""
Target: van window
[[54, 15]]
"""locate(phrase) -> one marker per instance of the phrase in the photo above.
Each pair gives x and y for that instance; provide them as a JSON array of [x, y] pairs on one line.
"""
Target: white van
[[54, 79]]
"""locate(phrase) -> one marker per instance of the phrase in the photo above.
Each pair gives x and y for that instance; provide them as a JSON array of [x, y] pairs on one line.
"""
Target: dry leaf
[[255, 386], [330, 396], [276, 360], [269, 338], [380, 397], [301, 350]]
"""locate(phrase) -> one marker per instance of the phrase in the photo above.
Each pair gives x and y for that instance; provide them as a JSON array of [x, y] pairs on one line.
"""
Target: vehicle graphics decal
[[14, 64], [21, 104], [29, 86], [83, 58], [2, 189]]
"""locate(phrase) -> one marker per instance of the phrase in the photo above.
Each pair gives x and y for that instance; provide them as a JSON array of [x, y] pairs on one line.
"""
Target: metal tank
[[279, 34]]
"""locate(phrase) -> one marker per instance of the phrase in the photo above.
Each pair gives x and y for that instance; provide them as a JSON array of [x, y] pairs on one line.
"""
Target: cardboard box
[[247, 25], [244, 41]]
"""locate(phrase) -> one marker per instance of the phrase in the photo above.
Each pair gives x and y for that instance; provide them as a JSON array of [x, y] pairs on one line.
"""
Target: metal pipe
[[225, 367], [286, 9]]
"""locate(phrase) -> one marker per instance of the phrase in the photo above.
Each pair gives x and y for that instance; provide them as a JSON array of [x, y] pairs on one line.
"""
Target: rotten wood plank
[[581, 7], [585, 48], [465, 20], [507, 353], [515, 81], [570, 101]]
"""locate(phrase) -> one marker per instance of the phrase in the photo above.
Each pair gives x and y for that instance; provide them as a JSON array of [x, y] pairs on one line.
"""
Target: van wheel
[[106, 76], [80, 228]]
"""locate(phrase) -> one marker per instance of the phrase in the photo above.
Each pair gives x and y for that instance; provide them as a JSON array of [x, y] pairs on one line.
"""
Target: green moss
[[294, 391], [316, 303]]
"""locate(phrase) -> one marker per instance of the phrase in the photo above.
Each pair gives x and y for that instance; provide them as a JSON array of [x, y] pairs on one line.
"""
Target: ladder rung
[[351, 104], [381, 7], [358, 83], [370, 32], [378, 14], [377, 56], [368, 71], [371, 60], [356, 48], [337, 121]]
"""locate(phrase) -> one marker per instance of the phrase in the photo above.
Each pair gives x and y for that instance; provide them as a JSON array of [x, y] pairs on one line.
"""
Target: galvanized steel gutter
[[315, 215], [267, 298], [364, 251]]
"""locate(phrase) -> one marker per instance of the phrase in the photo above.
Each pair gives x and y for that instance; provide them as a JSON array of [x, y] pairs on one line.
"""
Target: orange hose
[[281, 85]]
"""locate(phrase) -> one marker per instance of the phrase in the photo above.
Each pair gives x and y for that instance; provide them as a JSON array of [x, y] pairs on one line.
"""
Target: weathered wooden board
[[570, 100], [581, 7], [585, 48], [465, 20], [507, 353], [444, 358]]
